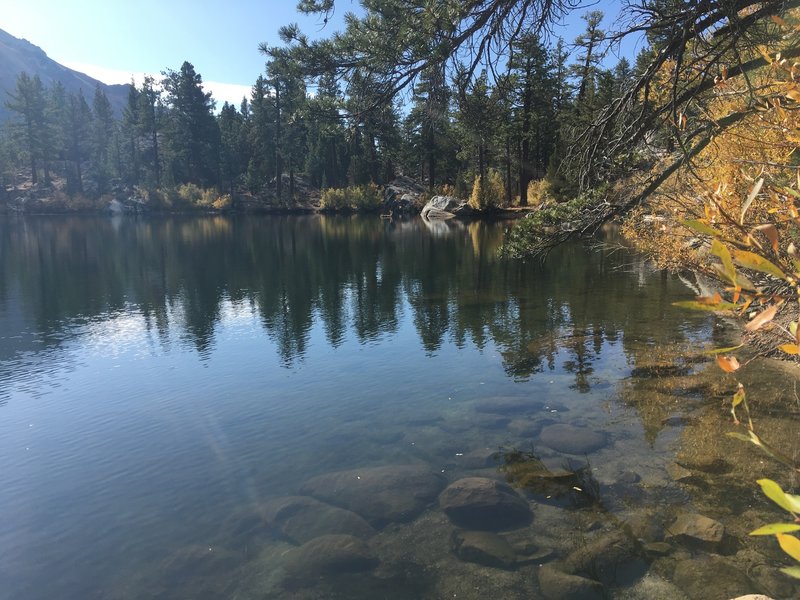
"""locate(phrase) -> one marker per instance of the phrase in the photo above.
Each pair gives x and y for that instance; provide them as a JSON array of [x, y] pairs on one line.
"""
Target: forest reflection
[[354, 275]]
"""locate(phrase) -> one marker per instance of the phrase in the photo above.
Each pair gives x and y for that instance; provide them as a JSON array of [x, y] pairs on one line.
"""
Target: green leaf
[[774, 492], [701, 227], [792, 572], [696, 305], [774, 528], [723, 351], [753, 261], [719, 249], [738, 436], [738, 397], [744, 283], [781, 458]]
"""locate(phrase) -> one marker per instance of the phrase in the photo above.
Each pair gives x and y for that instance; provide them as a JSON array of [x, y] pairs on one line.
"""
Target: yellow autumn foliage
[[717, 188]]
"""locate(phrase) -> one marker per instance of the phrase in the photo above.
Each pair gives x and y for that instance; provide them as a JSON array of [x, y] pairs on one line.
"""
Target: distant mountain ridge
[[17, 55]]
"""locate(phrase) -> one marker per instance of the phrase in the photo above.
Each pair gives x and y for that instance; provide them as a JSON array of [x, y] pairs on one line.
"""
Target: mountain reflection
[[356, 276]]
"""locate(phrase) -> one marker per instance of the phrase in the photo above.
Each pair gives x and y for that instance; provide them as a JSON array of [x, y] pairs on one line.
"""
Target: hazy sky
[[112, 40]]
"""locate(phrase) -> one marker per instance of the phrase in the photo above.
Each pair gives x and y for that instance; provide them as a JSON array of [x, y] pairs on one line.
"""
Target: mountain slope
[[18, 55]]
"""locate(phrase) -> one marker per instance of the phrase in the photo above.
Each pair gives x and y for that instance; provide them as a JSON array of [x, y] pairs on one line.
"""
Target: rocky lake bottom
[[509, 497]]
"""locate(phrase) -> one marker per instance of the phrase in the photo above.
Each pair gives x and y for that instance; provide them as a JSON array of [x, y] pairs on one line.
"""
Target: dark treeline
[[335, 131]]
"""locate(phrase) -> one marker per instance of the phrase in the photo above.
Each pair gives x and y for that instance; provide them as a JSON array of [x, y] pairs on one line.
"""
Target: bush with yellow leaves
[[488, 191]]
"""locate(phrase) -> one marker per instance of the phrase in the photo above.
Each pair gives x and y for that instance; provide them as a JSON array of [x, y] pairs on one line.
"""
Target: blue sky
[[112, 40]]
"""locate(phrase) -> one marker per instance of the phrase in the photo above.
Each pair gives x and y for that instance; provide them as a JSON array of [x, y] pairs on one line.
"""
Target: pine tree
[[28, 101], [589, 55], [260, 136], [130, 134], [193, 131], [232, 163], [151, 117], [102, 134], [76, 127], [538, 95]]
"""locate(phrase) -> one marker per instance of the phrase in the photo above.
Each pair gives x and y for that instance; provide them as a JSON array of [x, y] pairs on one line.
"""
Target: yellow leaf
[[774, 492], [719, 249], [774, 528], [700, 227], [729, 364], [789, 544], [762, 318], [753, 261], [739, 396], [789, 349]]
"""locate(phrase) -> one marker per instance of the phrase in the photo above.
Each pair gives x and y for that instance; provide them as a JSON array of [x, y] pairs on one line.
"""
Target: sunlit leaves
[[773, 491], [790, 545], [723, 350], [700, 227], [774, 528], [719, 249], [712, 303], [738, 398], [753, 261]]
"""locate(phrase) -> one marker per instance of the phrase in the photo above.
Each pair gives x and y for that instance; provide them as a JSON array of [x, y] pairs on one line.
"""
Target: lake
[[350, 407]]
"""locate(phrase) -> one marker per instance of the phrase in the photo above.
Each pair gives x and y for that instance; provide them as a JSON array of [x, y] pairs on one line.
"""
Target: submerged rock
[[198, 561], [483, 548], [480, 458], [613, 559], [698, 576], [697, 531], [508, 405], [481, 503], [558, 585], [379, 494], [570, 439], [330, 555], [302, 518]]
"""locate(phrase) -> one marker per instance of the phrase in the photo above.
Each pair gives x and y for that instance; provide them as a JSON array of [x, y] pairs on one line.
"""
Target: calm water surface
[[165, 383]]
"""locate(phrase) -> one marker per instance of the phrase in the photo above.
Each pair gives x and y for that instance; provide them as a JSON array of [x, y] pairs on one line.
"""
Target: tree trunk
[[525, 153], [508, 169], [156, 161], [278, 154]]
